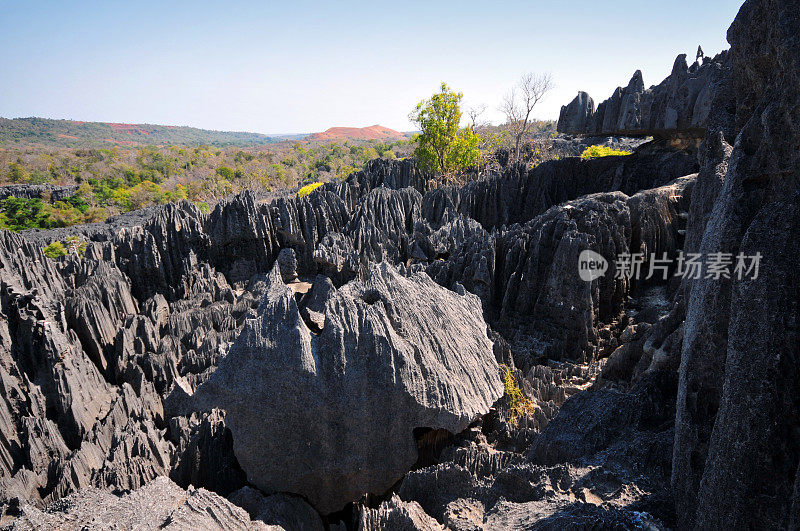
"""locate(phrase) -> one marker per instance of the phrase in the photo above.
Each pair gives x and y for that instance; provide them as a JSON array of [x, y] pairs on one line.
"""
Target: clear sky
[[304, 66]]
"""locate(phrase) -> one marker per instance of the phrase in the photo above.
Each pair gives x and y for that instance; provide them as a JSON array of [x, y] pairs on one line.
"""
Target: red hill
[[373, 132]]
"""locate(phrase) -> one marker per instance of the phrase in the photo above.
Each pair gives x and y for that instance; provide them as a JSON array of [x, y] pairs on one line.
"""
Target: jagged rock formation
[[601, 459], [574, 117], [532, 269], [397, 352], [159, 505], [519, 196], [679, 106], [92, 346], [37, 191], [397, 514], [735, 459], [657, 403], [737, 398]]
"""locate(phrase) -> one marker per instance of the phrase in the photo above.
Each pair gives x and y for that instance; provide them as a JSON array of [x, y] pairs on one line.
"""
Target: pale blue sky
[[303, 66]]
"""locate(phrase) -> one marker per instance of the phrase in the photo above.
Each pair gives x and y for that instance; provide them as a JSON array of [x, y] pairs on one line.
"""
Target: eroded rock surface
[[105, 360], [396, 352], [682, 104], [90, 348], [737, 405], [159, 505]]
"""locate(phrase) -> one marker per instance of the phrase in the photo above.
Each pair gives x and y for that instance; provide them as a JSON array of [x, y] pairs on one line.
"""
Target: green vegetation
[[20, 214], [517, 404], [597, 151], [307, 189], [71, 245], [75, 246], [121, 179], [55, 250], [442, 146], [124, 167]]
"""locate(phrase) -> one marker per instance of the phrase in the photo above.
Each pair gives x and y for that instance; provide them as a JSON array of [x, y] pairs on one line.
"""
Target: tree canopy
[[443, 146]]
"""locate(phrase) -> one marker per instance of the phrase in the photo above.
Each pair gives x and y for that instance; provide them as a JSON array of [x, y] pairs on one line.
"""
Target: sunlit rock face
[[331, 415]]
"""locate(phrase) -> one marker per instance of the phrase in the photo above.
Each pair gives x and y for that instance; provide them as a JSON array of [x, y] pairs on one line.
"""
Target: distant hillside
[[69, 133], [373, 132]]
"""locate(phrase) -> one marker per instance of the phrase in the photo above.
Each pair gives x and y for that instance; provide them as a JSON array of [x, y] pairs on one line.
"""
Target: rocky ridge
[[679, 108]]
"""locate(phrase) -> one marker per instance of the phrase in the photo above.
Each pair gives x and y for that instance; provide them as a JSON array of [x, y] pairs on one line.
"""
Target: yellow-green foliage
[[345, 171], [442, 146], [596, 151], [307, 189], [71, 245], [517, 404], [74, 245], [54, 250], [121, 179]]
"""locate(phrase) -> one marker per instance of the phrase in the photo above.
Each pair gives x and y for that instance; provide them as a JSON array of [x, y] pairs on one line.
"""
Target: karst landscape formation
[[385, 353]]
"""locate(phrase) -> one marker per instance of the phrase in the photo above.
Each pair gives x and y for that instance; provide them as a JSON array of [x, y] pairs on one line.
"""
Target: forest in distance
[[114, 177]]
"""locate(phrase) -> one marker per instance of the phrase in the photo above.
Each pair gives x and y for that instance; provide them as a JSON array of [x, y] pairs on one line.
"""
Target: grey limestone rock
[[291, 513], [396, 352], [573, 117], [397, 514], [161, 504], [736, 405], [680, 106]]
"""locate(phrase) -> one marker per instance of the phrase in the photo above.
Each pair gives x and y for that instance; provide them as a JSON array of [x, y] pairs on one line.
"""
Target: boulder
[[396, 352]]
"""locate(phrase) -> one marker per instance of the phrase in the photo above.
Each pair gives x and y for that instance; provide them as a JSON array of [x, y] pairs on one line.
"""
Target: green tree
[[442, 146], [226, 173], [20, 214], [17, 173]]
